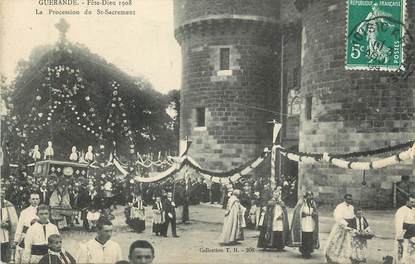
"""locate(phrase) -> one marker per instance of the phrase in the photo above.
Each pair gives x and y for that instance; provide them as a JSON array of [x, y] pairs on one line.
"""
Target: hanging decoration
[[219, 177], [374, 164], [162, 175], [319, 156], [117, 117], [148, 162], [356, 165]]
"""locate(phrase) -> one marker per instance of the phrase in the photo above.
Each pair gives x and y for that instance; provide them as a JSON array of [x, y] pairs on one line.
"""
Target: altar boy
[[36, 240]]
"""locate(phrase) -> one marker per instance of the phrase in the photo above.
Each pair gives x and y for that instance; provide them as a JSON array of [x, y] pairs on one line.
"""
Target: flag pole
[[275, 132], [183, 148]]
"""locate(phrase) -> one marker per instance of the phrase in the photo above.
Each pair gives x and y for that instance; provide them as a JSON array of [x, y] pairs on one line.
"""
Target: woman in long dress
[[274, 232]]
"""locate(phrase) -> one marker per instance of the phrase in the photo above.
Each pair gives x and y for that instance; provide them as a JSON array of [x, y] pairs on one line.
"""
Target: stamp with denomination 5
[[376, 35]]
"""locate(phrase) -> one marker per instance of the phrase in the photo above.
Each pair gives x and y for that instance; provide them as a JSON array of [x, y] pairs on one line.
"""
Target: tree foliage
[[30, 101]]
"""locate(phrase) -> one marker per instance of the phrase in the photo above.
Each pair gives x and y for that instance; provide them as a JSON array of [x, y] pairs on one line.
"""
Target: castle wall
[[236, 130], [351, 110], [186, 11]]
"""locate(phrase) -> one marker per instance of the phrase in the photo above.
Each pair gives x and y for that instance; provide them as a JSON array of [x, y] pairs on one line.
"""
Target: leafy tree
[[68, 95], [41, 102]]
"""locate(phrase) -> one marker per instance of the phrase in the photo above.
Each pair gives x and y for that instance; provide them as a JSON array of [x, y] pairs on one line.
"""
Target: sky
[[140, 45]]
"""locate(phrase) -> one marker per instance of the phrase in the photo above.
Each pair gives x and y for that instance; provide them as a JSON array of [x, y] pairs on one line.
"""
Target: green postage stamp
[[375, 34]]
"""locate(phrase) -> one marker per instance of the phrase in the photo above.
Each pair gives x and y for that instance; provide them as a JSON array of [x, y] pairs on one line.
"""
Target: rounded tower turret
[[348, 110], [229, 74]]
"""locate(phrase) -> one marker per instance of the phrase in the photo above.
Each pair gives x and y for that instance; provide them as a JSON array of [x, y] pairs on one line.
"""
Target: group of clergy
[[164, 214], [275, 232], [347, 242]]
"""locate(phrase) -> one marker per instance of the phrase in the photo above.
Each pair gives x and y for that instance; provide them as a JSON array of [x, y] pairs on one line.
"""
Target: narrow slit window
[[224, 58], [200, 117], [308, 107]]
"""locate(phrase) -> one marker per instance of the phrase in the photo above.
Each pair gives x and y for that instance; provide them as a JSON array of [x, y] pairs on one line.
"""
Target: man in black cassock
[[170, 215]]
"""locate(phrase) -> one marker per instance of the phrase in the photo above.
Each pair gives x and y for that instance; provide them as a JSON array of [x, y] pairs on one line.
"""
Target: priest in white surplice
[[100, 249], [338, 248], [27, 217], [405, 233]]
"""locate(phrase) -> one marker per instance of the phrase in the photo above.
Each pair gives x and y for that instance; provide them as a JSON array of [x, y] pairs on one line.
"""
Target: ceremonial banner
[[275, 132]]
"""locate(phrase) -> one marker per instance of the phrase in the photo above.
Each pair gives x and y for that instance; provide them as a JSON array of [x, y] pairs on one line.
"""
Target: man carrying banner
[[275, 233]]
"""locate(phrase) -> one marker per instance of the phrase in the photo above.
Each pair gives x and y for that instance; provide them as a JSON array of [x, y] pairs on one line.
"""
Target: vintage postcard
[[207, 131]]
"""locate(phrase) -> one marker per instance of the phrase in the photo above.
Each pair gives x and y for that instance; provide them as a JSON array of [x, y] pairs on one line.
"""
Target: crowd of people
[[33, 238], [163, 214], [269, 215], [348, 239]]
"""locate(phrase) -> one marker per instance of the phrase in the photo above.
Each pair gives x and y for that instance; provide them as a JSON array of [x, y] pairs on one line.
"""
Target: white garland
[[148, 163], [234, 177], [356, 165], [120, 168], [374, 164], [158, 177]]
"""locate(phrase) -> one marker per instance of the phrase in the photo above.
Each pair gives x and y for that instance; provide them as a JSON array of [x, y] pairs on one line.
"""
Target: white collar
[[43, 224], [99, 243], [51, 252]]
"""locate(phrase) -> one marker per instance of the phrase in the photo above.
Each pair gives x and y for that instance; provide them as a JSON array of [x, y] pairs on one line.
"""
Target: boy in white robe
[[36, 240]]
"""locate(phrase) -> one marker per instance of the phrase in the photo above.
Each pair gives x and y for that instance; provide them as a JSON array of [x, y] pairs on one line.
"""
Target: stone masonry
[[235, 131], [351, 110]]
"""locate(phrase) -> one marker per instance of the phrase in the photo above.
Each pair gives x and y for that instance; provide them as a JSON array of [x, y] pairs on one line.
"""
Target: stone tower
[[348, 111], [229, 79]]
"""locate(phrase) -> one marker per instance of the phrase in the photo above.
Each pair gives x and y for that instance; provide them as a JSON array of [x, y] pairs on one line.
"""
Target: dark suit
[[169, 208], [45, 197]]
